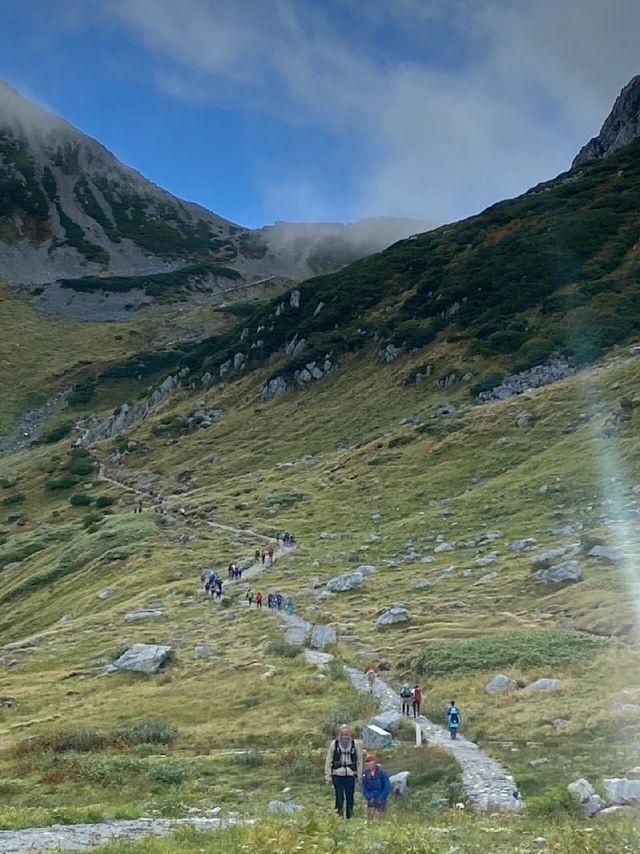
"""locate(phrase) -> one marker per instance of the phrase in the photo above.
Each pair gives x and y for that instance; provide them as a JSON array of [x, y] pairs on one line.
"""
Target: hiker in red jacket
[[258, 599], [416, 697]]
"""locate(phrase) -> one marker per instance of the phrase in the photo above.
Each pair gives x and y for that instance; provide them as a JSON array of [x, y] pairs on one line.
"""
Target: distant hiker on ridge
[[290, 606], [343, 768], [371, 678]]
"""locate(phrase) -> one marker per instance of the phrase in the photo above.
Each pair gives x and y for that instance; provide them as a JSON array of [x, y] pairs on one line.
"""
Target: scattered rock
[[108, 591], [230, 616], [523, 419], [488, 578], [561, 723], [581, 789], [142, 614], [502, 441], [143, 658], [445, 409], [375, 737], [523, 545], [562, 573], [319, 659], [535, 763], [544, 686], [400, 783], [616, 809], [347, 581], [322, 636], [621, 790], [421, 584], [607, 554], [486, 560], [443, 547], [285, 807], [548, 556], [500, 684], [366, 569], [389, 720], [397, 614], [15, 564], [372, 538]]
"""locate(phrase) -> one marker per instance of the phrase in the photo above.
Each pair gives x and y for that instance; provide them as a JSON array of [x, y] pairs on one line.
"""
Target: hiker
[[371, 678], [453, 719], [230, 570], [416, 697], [279, 601], [258, 599], [270, 600], [263, 557], [376, 786], [239, 572], [405, 698], [290, 606], [270, 553], [343, 768], [249, 597], [257, 556]]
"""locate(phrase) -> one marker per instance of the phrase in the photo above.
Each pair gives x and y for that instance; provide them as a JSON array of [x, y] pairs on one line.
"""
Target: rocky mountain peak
[[621, 126]]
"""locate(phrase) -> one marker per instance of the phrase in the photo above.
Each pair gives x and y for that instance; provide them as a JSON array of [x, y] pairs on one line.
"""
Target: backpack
[[405, 692], [454, 718]]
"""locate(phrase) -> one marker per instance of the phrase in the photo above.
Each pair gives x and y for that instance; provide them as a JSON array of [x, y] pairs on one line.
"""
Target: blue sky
[[306, 110]]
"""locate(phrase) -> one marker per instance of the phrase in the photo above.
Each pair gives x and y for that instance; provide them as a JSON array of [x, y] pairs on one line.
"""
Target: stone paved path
[[488, 785], [84, 837]]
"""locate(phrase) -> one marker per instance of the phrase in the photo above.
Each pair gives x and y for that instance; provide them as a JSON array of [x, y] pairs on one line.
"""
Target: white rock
[[375, 737], [347, 581], [443, 547], [607, 554], [544, 686], [568, 571], [203, 650], [366, 569], [396, 614], [319, 659], [285, 807], [322, 636], [621, 790], [488, 578], [500, 684], [581, 789], [143, 658], [399, 783], [142, 614]]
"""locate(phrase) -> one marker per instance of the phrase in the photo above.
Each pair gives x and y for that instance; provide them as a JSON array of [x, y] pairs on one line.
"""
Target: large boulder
[[143, 658], [620, 790], [547, 557], [322, 636], [567, 572], [347, 581], [366, 569], [607, 554], [500, 684], [542, 686], [319, 659], [389, 720], [399, 783], [142, 614], [581, 789], [397, 614], [374, 736]]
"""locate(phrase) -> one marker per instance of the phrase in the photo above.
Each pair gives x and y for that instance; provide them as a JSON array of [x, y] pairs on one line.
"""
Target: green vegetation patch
[[521, 649]]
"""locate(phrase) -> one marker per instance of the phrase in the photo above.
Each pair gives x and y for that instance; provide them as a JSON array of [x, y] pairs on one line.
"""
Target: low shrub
[[91, 740], [283, 650], [103, 501], [67, 481], [170, 775], [524, 649], [250, 758]]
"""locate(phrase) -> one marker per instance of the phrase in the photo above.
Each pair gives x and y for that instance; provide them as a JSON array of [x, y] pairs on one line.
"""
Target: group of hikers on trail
[[235, 571], [274, 600], [412, 697], [212, 583]]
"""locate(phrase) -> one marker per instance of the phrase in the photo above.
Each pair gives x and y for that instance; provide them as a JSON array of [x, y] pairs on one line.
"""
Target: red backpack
[[417, 695]]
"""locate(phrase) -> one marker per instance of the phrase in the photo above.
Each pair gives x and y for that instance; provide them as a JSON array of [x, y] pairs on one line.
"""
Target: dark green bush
[[80, 499], [103, 501], [16, 498], [67, 481], [57, 433]]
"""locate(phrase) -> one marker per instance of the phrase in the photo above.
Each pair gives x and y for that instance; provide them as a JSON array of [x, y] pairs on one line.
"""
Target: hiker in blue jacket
[[376, 786], [453, 719]]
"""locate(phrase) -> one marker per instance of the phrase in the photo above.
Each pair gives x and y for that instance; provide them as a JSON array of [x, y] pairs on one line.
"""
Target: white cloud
[[434, 139]]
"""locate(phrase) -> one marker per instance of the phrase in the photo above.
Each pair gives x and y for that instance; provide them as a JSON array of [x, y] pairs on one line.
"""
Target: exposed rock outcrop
[[621, 126]]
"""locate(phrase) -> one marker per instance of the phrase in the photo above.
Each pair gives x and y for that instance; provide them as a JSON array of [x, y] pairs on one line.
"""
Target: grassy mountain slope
[[351, 458]]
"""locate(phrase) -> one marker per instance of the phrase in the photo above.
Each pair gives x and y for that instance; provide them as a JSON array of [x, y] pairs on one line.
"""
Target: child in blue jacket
[[376, 786]]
